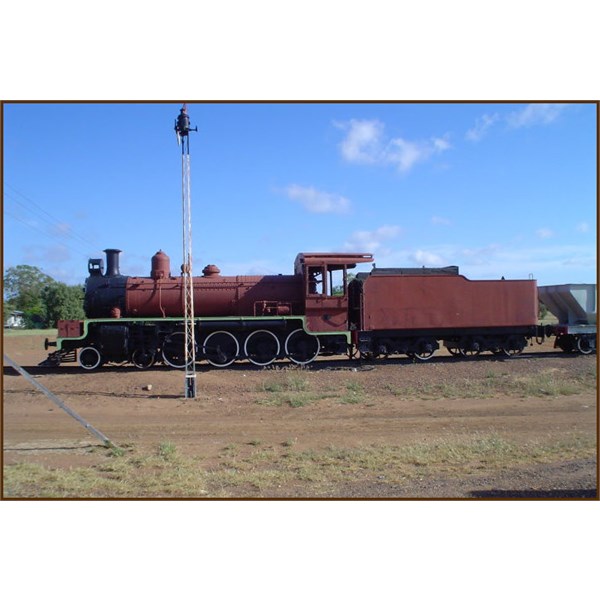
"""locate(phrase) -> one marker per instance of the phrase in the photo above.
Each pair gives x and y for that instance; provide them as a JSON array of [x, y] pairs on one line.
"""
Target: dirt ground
[[337, 404]]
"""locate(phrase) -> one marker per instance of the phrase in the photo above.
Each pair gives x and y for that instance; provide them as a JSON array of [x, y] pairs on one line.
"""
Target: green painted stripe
[[198, 320]]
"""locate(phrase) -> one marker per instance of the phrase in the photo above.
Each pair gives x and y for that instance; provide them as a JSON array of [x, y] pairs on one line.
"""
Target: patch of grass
[[544, 383], [288, 388], [320, 471], [354, 393], [281, 469], [272, 387], [288, 382], [134, 475], [167, 450], [23, 332], [296, 382]]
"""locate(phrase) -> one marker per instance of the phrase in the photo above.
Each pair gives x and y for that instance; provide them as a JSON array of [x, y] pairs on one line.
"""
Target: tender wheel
[[262, 347], [454, 351], [302, 348], [513, 346], [469, 352], [512, 351], [221, 348], [143, 359], [423, 354], [426, 349], [89, 358], [173, 350], [584, 346]]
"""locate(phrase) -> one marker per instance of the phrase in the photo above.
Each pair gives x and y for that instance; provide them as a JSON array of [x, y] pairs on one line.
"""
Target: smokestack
[[112, 262]]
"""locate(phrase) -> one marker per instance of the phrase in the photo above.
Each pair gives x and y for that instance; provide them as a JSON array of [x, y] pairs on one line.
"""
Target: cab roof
[[349, 260]]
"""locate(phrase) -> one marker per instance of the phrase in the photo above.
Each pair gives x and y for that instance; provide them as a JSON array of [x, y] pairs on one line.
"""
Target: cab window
[[327, 281], [316, 280]]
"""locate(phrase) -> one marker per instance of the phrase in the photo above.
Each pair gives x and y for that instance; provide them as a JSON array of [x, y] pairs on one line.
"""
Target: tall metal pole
[[182, 128]]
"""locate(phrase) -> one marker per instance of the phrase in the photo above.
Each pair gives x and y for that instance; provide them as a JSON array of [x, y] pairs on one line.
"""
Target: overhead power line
[[56, 229]]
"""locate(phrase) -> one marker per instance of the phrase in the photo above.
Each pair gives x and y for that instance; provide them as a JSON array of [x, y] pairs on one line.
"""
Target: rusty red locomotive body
[[314, 311]]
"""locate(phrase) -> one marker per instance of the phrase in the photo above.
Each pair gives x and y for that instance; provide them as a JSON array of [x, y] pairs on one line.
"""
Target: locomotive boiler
[[161, 294]]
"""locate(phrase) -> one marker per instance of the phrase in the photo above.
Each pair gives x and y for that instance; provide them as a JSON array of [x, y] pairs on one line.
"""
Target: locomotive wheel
[[89, 358], [302, 348], [221, 348], [454, 351], [143, 359], [353, 352], [173, 350], [262, 347]]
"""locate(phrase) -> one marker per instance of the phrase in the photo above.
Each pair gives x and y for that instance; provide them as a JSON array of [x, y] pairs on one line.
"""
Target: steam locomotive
[[316, 311]]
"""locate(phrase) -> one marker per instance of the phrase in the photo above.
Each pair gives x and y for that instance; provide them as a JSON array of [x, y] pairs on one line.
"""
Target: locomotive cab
[[325, 281]]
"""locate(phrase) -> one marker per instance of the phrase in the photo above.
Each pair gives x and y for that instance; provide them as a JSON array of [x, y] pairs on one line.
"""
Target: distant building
[[15, 320]]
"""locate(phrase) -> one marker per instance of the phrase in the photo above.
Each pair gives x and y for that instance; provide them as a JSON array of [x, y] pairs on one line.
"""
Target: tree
[[62, 301], [23, 286], [42, 299]]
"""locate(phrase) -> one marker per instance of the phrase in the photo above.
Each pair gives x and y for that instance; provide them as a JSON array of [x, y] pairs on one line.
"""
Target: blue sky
[[497, 189]]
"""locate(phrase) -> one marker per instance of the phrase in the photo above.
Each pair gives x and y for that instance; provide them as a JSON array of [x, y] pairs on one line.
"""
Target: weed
[[354, 393], [271, 387], [115, 451], [274, 400], [296, 383], [293, 389], [167, 450]]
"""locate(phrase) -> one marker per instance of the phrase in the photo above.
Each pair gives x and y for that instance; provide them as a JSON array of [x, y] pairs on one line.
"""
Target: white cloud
[[54, 253], [535, 114], [528, 116], [317, 201], [363, 142], [482, 126], [426, 258], [371, 241], [436, 220], [544, 233], [441, 144], [583, 227], [61, 229], [549, 264], [366, 143]]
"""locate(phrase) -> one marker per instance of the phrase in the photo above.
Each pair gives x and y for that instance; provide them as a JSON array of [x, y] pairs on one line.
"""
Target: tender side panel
[[415, 302]]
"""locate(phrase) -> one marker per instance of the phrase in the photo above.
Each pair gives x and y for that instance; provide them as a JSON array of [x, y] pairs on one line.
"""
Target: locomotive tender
[[315, 311]]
